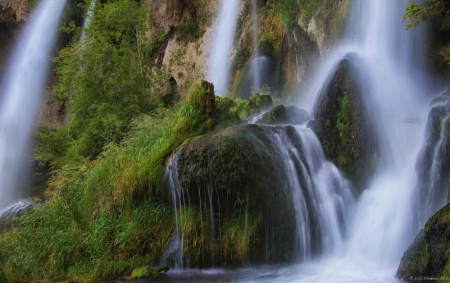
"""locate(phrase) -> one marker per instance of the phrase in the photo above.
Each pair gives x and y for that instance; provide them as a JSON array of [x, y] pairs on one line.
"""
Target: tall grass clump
[[104, 216]]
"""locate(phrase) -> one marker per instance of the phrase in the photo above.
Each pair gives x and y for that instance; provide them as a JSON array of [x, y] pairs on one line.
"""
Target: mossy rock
[[343, 126], [429, 254], [237, 174], [147, 272], [281, 114]]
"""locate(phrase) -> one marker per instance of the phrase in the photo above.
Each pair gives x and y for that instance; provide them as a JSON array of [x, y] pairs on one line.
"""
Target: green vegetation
[[287, 11], [439, 11], [345, 133], [105, 216], [106, 79], [32, 3], [189, 31], [428, 256], [246, 108]]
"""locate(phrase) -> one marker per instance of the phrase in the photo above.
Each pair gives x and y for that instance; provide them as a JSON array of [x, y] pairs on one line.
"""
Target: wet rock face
[[237, 170], [434, 158], [298, 56], [427, 257], [12, 14], [168, 13], [343, 127]]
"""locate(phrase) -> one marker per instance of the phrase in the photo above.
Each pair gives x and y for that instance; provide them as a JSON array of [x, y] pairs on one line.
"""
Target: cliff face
[[183, 55], [12, 14], [13, 11]]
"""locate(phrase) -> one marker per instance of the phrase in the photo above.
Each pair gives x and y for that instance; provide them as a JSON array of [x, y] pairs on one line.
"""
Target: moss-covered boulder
[[281, 114], [342, 124], [254, 194], [231, 182], [428, 257], [147, 272]]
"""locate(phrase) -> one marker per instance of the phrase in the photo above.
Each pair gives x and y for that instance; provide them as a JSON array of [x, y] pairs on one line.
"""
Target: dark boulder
[[433, 162], [236, 174], [343, 126], [427, 258]]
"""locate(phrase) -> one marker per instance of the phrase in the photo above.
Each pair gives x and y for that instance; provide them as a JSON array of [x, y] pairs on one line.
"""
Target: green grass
[[105, 216]]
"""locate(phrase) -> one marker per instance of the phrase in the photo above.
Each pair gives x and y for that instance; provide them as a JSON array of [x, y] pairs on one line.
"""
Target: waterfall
[[20, 91], [219, 60], [88, 19], [385, 219], [320, 199], [257, 62]]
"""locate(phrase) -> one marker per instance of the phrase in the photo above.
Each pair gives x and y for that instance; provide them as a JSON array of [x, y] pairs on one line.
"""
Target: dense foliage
[[105, 80], [104, 215]]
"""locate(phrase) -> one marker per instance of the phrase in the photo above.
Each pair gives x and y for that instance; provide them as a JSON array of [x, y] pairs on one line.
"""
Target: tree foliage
[[106, 79], [418, 13], [439, 10]]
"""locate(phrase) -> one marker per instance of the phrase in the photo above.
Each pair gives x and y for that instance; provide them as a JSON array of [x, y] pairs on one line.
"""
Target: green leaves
[[418, 13], [106, 79]]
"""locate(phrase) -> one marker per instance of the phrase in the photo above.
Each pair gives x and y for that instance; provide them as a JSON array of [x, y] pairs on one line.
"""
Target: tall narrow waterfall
[[88, 18], [255, 63], [219, 61], [20, 92]]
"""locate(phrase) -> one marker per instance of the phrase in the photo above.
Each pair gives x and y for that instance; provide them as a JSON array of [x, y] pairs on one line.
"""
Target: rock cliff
[[13, 11]]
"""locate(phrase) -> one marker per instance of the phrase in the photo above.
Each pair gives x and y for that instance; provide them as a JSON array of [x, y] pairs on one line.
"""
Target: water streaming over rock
[[385, 219], [219, 59], [390, 212], [319, 198], [21, 90]]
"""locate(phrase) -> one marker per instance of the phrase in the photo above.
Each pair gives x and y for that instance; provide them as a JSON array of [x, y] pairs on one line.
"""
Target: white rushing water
[[385, 221], [219, 61], [20, 93], [384, 218], [320, 198]]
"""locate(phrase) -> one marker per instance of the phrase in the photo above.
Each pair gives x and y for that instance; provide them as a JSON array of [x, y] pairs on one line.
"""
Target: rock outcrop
[[433, 160], [13, 11], [343, 127], [233, 176], [427, 258], [12, 14]]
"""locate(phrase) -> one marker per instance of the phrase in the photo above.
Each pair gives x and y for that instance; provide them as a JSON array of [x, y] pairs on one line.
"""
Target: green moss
[[269, 44], [189, 30], [255, 104]]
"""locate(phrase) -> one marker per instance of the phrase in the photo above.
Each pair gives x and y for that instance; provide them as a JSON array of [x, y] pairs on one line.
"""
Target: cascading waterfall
[[320, 197], [385, 219], [20, 90], [219, 61]]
